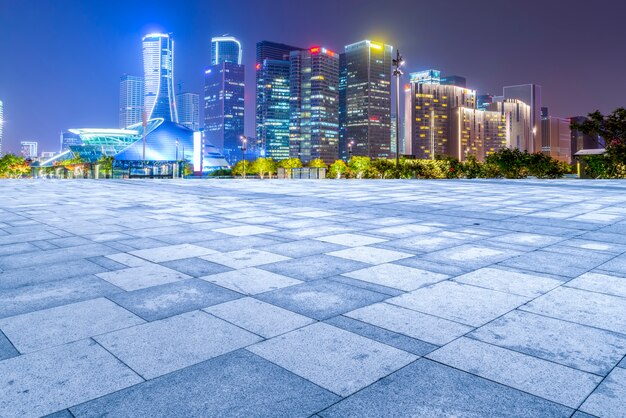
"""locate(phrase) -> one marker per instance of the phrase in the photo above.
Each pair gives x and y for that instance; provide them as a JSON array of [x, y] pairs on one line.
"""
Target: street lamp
[[397, 63], [244, 140], [350, 144]]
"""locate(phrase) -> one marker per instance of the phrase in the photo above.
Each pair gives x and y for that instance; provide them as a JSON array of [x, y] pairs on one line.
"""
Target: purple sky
[[60, 60]]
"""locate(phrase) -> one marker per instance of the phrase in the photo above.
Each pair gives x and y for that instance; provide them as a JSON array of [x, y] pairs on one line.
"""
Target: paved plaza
[[260, 298]]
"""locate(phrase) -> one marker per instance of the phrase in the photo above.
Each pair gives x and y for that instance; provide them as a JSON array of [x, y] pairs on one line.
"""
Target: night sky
[[61, 60]]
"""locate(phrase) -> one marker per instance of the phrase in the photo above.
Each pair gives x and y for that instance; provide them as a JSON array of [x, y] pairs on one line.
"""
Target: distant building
[[314, 97], [158, 64], [517, 116], [131, 100], [580, 140], [475, 132], [188, 105], [368, 99], [484, 101], [454, 80], [556, 136], [531, 95], [28, 149], [343, 111], [225, 49], [68, 139], [272, 98], [47, 154], [1, 124]]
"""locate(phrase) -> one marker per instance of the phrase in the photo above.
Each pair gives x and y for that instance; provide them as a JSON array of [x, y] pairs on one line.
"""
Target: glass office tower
[[188, 105], [225, 49], [158, 64], [131, 100], [368, 98], [531, 95]]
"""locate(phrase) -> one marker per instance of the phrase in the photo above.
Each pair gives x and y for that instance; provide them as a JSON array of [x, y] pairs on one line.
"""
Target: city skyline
[[75, 102]]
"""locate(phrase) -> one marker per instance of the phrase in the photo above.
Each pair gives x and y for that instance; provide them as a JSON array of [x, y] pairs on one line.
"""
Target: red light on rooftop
[[331, 53], [315, 50], [258, 66]]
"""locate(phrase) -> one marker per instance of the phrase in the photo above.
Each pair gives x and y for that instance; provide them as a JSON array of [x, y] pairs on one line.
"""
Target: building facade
[[518, 122], [531, 95], [272, 98], [556, 136], [188, 105], [368, 99], [226, 49], [314, 105], [131, 100], [454, 80], [28, 149], [1, 124], [158, 64], [476, 133]]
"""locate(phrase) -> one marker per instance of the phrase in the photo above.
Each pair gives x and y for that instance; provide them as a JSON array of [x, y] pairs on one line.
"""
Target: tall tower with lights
[[158, 65]]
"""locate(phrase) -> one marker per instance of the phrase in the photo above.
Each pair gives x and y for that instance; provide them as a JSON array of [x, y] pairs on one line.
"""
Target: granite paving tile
[[195, 267], [314, 267], [6, 348], [351, 240], [370, 255], [601, 283], [397, 276], [609, 399], [147, 275], [172, 252], [26, 276], [251, 281], [244, 258], [335, 359], [523, 284]]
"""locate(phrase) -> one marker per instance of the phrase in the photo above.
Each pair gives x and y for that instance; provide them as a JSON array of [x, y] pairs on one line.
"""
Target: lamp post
[[244, 140], [177, 162], [397, 63], [350, 150]]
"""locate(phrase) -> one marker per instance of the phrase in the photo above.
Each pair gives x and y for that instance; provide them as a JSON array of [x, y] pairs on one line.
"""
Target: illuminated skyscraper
[[1, 124], [188, 105], [224, 85], [368, 99], [343, 111], [314, 120], [158, 65], [29, 149], [556, 135], [225, 49], [531, 95], [131, 100], [272, 98], [517, 116]]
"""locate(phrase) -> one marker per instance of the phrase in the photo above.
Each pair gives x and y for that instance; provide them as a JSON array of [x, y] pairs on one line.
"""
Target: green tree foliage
[[263, 166], [222, 172], [12, 166], [238, 169], [384, 168], [612, 128], [317, 163], [337, 169], [359, 166], [290, 163], [106, 165]]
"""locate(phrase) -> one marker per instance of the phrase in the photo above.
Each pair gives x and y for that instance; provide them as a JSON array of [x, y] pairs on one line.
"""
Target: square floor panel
[[397, 276], [251, 281]]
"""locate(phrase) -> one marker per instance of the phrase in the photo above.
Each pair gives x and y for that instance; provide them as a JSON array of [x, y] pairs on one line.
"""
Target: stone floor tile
[[522, 284], [423, 243], [127, 259], [303, 248], [6, 348], [238, 384], [321, 299], [195, 267], [170, 299], [414, 324], [50, 380], [172, 252], [351, 240], [156, 348], [583, 307], [609, 399], [251, 281], [245, 230], [405, 230], [335, 359], [314, 267], [470, 305], [601, 283], [259, 317], [244, 258], [429, 389], [141, 277], [470, 255], [370, 255], [569, 265], [12, 279], [49, 327], [397, 276], [542, 378]]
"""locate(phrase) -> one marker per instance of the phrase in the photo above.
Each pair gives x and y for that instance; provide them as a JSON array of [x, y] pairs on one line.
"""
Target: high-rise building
[[28, 149], [131, 100], [158, 64], [454, 80], [475, 132], [429, 107], [557, 137], [272, 98], [1, 124], [68, 139], [224, 85], [484, 101], [343, 111], [580, 140], [531, 95], [517, 115], [314, 104], [368, 99], [188, 105], [225, 49]]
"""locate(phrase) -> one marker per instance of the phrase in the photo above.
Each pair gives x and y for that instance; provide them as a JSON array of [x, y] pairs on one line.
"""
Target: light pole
[[350, 150], [244, 140], [397, 63]]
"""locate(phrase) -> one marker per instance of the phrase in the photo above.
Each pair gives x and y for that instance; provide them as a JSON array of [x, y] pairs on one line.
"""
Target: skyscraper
[[131, 100], [531, 95], [1, 124], [188, 105], [343, 111], [368, 98], [454, 80], [314, 119], [517, 115], [158, 65], [29, 149], [272, 98], [556, 136], [225, 49], [224, 84]]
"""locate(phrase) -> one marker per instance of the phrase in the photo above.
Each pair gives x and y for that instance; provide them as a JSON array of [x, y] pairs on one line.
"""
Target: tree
[[238, 169], [264, 166], [12, 166], [359, 165], [337, 169], [384, 168], [106, 165], [317, 163], [612, 128], [290, 163]]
